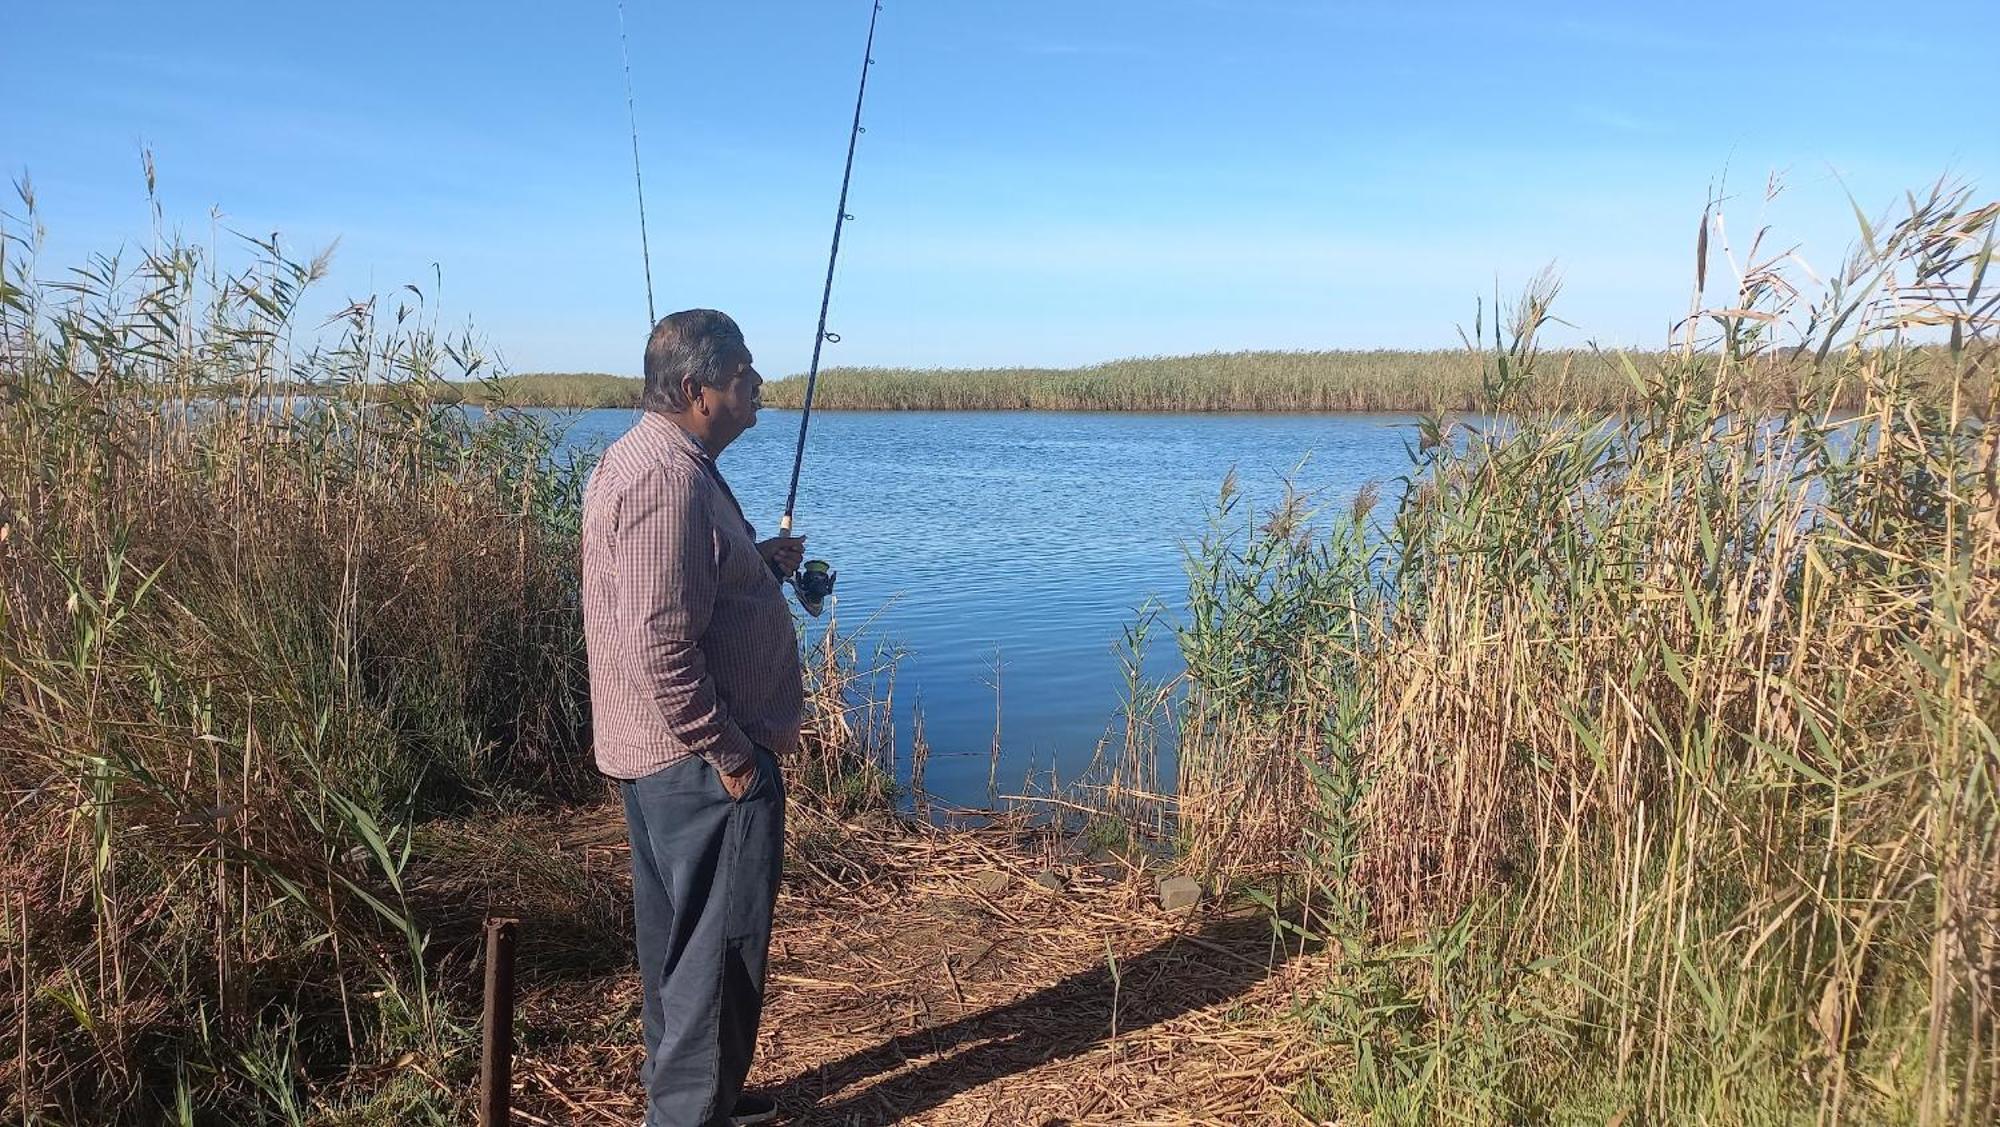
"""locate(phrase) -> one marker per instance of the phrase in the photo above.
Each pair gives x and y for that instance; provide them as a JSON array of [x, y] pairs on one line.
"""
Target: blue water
[[1029, 540]]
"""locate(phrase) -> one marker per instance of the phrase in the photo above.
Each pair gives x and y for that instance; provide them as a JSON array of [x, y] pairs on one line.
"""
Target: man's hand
[[739, 784], [783, 553]]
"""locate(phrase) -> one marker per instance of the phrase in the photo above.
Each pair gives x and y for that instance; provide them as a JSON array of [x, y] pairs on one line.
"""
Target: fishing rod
[[814, 582]]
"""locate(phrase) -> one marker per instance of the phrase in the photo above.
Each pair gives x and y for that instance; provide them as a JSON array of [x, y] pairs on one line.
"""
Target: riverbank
[[948, 976]]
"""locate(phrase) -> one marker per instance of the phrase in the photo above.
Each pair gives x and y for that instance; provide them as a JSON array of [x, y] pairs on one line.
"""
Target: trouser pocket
[[757, 842]]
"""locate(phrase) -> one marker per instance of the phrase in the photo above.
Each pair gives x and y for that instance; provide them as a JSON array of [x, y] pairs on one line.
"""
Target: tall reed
[[846, 760], [1642, 767], [248, 640]]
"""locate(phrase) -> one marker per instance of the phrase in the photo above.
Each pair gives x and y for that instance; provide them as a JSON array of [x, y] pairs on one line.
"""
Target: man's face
[[733, 406]]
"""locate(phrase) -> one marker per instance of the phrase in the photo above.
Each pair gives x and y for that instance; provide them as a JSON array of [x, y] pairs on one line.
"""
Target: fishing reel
[[814, 585]]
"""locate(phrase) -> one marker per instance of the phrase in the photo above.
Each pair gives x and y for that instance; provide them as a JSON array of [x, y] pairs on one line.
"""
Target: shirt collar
[[669, 433], [676, 438]]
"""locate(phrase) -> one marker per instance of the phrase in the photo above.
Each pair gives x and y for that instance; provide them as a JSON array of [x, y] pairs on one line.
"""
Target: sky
[[1043, 182]]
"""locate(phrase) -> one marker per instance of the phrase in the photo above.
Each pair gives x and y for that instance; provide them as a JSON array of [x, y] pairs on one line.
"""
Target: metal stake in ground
[[496, 1051]]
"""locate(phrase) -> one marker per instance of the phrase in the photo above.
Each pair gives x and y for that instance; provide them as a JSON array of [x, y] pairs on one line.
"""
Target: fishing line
[[638, 183]]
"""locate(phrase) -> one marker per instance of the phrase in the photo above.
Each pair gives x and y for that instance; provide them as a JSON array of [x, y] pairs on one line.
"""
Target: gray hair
[[697, 344]]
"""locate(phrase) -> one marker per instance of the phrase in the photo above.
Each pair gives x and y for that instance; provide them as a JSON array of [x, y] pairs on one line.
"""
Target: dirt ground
[[922, 975]]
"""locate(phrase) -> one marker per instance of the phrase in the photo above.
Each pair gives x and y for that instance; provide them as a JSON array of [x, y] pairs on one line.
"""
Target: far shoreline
[[1414, 382], [1345, 382]]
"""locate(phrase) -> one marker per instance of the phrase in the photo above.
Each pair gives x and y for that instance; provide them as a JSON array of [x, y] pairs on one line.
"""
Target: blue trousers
[[705, 872]]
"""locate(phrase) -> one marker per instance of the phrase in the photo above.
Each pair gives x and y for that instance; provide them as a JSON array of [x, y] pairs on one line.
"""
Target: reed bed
[[584, 390], [1642, 765], [1223, 381], [250, 643], [1377, 380], [1325, 381]]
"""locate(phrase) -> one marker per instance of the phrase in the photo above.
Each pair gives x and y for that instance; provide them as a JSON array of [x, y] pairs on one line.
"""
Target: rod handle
[[785, 525]]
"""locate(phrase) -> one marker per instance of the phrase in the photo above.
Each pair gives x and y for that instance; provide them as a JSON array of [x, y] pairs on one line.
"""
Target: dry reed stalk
[[920, 758]]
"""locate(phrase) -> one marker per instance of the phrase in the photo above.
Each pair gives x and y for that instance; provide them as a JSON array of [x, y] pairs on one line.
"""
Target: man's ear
[[691, 393]]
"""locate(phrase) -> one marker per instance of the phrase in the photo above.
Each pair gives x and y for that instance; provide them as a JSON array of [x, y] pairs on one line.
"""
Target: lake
[[1022, 540]]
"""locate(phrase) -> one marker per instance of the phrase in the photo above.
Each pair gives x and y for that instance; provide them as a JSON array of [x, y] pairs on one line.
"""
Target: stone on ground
[[1179, 893]]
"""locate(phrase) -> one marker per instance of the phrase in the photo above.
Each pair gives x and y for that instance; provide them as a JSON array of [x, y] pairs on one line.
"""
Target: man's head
[[698, 373]]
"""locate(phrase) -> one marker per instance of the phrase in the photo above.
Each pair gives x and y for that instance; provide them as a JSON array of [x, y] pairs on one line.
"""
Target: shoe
[[752, 1109]]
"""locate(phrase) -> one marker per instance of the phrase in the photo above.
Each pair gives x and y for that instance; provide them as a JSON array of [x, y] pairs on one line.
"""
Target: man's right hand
[[738, 784], [784, 554]]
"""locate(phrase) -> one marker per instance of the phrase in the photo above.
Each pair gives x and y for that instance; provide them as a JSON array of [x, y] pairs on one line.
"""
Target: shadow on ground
[[924, 1069]]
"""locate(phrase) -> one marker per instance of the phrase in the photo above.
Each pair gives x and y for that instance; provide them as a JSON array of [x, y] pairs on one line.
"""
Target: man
[[695, 696]]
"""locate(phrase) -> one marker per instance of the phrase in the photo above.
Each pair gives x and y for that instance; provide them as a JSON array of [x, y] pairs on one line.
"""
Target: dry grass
[[846, 759], [902, 993]]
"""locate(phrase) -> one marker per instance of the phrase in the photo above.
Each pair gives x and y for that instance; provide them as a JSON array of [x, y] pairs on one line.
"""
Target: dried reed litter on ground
[[902, 993]]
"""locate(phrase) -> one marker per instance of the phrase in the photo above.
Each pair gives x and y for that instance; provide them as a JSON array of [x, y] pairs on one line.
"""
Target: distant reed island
[[1266, 381]]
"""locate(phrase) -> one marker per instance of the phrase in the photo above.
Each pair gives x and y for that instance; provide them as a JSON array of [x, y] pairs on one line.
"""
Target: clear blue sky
[[1043, 182]]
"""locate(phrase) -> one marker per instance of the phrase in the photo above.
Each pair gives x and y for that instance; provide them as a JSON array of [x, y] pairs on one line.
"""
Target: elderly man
[[695, 697]]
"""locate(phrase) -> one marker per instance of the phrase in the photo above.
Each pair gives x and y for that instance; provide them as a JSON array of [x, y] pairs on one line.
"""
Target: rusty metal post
[[496, 1054]]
